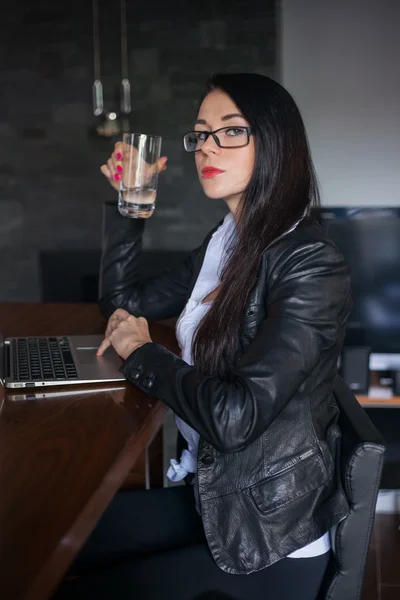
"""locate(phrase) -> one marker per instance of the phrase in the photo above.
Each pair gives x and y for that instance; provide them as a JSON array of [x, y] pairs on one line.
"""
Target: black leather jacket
[[267, 479]]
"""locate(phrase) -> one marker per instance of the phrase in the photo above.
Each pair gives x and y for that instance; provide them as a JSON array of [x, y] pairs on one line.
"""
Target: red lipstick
[[209, 172]]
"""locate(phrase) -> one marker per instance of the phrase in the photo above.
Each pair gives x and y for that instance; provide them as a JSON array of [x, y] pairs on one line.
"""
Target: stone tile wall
[[51, 190]]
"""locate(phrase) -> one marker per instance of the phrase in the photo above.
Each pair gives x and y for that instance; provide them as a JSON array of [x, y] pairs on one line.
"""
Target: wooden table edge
[[49, 577], [370, 402]]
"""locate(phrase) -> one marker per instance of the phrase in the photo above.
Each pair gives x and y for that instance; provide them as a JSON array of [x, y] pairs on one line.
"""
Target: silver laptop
[[28, 362], [76, 392]]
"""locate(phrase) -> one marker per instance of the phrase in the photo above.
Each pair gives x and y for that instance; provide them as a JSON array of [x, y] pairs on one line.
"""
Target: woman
[[263, 305]]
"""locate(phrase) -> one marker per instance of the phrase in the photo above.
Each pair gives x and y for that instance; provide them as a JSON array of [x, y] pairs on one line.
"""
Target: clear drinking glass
[[139, 178]]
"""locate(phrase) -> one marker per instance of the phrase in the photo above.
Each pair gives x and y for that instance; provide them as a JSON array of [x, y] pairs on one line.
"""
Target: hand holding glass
[[139, 177]]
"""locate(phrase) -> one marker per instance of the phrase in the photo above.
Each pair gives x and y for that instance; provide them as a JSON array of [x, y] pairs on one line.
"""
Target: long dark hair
[[282, 186]]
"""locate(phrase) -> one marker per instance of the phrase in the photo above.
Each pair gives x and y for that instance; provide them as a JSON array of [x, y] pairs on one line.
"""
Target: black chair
[[387, 421], [72, 275], [362, 453]]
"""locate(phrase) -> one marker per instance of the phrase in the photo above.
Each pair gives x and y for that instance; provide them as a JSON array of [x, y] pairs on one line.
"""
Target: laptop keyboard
[[42, 359]]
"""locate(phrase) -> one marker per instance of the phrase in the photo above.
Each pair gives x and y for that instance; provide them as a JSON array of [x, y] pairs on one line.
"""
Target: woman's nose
[[210, 146]]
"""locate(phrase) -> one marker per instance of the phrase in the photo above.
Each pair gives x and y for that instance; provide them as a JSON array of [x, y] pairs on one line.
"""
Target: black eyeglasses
[[228, 137]]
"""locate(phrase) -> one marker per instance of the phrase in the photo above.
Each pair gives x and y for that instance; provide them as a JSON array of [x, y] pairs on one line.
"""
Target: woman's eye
[[202, 136], [234, 131]]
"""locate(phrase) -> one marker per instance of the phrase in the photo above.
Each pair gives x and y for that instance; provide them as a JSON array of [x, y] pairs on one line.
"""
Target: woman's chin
[[213, 196], [212, 191]]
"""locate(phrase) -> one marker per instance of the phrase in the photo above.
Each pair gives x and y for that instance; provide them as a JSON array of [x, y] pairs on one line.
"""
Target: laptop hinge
[[7, 359], [4, 359]]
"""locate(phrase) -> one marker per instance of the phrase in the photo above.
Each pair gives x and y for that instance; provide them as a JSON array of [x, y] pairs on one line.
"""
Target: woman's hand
[[113, 171], [125, 333]]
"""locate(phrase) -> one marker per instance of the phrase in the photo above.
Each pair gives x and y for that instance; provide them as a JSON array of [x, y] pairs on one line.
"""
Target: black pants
[[151, 545]]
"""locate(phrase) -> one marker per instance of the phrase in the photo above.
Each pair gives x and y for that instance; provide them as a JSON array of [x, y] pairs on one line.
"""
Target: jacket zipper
[[303, 457]]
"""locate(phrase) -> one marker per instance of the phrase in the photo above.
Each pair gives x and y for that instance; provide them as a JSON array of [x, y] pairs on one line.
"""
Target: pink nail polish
[[117, 177], [118, 155], [119, 169]]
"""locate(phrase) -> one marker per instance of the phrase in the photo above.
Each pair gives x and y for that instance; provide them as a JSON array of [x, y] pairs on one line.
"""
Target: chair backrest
[[361, 459]]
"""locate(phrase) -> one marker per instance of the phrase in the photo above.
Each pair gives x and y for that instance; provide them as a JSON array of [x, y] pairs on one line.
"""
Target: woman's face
[[235, 164]]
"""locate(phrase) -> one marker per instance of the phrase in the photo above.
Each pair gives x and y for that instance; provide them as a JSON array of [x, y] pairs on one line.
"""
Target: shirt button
[[207, 460]]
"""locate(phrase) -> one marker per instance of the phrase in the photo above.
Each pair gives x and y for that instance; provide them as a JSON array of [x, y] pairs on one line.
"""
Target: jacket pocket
[[306, 474]]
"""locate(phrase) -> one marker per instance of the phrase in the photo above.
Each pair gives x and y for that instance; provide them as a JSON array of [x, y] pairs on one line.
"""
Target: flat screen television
[[369, 239]]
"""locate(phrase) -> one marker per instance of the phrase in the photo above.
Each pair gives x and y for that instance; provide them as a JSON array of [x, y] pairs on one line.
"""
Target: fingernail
[[119, 169], [117, 177], [118, 155]]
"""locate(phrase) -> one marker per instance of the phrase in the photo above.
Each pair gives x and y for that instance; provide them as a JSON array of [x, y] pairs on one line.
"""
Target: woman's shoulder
[[307, 245], [309, 233]]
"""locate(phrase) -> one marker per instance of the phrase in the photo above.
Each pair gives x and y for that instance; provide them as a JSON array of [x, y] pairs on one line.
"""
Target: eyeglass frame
[[216, 139]]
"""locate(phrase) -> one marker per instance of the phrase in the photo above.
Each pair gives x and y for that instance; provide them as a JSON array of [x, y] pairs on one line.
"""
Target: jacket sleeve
[[308, 305], [154, 298]]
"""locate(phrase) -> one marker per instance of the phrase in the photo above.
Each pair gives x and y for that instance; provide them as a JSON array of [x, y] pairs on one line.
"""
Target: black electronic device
[[355, 368], [369, 239], [396, 383]]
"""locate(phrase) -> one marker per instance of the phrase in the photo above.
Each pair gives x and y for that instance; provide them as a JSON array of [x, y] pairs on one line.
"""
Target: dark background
[[51, 190]]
